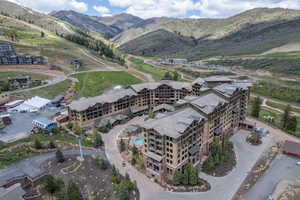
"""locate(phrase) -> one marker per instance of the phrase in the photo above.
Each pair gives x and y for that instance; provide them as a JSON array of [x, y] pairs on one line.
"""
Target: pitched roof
[[218, 79], [292, 148], [108, 97], [153, 85], [206, 103], [175, 123]]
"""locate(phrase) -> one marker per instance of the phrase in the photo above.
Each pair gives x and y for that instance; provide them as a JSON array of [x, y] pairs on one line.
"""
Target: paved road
[[222, 188], [282, 168], [57, 79]]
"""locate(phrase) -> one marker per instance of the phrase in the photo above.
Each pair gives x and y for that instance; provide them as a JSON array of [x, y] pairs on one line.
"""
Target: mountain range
[[252, 32]]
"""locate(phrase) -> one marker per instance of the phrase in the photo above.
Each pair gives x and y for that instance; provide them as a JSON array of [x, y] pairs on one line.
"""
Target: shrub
[[37, 144], [59, 156]]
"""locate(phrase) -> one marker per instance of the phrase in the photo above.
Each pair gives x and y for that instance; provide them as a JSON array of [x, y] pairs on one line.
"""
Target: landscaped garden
[[94, 178], [221, 160], [94, 83], [37, 143]]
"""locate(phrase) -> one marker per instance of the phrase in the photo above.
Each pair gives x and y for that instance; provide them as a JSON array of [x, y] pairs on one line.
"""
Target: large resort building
[[200, 112]]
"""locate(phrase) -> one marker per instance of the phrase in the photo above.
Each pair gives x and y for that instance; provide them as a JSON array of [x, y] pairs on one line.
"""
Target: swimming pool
[[138, 142]]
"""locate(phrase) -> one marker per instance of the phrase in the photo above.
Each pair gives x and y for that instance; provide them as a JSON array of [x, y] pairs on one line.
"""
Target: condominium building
[[185, 136], [135, 99], [172, 140]]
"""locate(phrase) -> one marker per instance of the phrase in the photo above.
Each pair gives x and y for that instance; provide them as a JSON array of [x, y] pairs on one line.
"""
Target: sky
[[158, 8]]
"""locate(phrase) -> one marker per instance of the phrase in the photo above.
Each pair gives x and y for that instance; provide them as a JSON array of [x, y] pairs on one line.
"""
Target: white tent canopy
[[32, 105]]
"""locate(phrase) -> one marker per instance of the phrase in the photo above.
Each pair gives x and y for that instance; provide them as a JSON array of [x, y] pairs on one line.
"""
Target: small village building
[[33, 105], [13, 104], [19, 81], [44, 124], [291, 148], [6, 120]]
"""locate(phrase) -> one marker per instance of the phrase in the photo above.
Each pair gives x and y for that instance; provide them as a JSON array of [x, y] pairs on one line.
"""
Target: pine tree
[[285, 117], [292, 124], [256, 107], [59, 156], [52, 144]]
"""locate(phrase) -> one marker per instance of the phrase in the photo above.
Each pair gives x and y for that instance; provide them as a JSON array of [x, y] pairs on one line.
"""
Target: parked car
[[270, 197], [124, 164], [298, 163]]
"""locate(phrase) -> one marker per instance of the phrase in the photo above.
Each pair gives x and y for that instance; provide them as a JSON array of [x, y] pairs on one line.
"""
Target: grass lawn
[[4, 75], [286, 93], [156, 72], [277, 118], [48, 92], [94, 83], [281, 106]]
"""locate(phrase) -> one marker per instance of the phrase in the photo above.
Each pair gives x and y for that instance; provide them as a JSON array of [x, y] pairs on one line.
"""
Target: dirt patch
[[225, 167], [30, 69], [94, 182], [292, 192]]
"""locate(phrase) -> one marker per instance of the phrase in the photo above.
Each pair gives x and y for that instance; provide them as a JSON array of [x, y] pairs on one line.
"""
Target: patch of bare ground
[[94, 182], [225, 167], [292, 192], [30, 69], [261, 166]]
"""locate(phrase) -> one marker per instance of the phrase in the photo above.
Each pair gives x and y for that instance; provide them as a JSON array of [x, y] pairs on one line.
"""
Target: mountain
[[42, 20], [159, 41], [86, 22], [122, 21], [252, 32], [107, 26]]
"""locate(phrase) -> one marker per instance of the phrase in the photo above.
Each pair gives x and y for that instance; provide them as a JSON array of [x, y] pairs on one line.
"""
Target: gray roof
[[23, 169], [228, 89], [175, 123], [108, 97], [217, 79], [153, 85], [199, 81], [206, 103], [167, 107], [14, 192]]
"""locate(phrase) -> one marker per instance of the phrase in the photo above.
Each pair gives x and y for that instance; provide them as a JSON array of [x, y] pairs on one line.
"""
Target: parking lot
[[282, 168], [22, 124]]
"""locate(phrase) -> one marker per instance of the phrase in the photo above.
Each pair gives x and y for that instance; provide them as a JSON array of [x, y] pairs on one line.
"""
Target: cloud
[[155, 8], [194, 17], [202, 8], [47, 6], [104, 11], [226, 8]]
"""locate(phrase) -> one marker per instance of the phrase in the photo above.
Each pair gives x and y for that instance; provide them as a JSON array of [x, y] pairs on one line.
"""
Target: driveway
[[223, 188], [282, 168]]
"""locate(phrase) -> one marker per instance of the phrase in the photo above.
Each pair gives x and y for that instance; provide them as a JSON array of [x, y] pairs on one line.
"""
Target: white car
[[298, 163]]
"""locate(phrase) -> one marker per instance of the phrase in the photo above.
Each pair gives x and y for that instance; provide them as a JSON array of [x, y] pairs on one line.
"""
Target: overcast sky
[[158, 8]]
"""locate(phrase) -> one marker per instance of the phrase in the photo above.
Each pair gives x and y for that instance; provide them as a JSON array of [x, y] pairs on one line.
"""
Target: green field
[[156, 72], [48, 92], [94, 83], [281, 106], [291, 54], [277, 118], [287, 93], [4, 75]]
